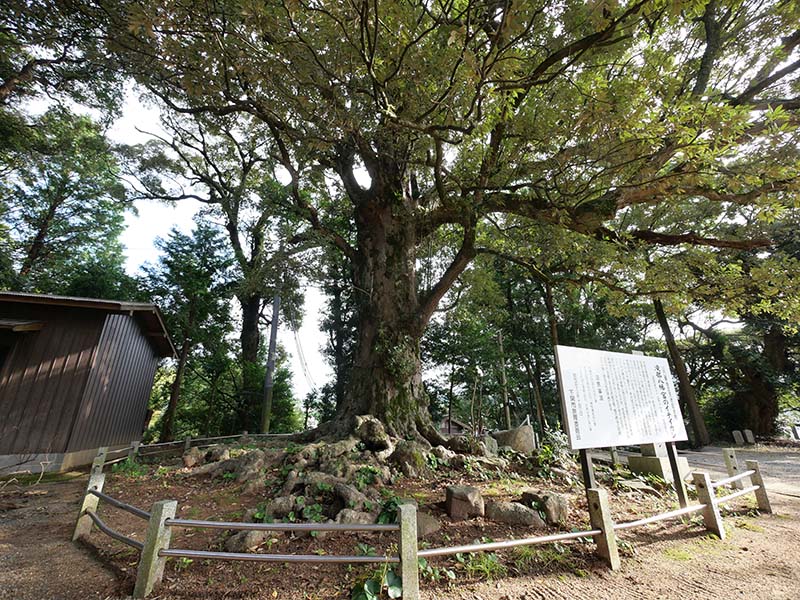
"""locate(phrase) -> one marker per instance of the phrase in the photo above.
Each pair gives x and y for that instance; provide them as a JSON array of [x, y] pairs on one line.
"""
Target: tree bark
[[168, 424], [250, 338], [701, 437], [386, 375]]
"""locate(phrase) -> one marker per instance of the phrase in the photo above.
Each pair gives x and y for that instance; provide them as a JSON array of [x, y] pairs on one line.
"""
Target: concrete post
[[99, 461], [84, 524], [732, 465], [134, 451], [614, 456], [151, 565], [409, 565], [761, 492], [705, 494], [600, 517]]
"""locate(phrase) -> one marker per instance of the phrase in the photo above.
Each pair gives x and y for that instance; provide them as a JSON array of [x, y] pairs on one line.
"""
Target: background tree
[[191, 284], [223, 164], [64, 204]]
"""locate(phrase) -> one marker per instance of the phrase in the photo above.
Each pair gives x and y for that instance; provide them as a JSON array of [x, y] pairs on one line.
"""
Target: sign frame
[[651, 375]]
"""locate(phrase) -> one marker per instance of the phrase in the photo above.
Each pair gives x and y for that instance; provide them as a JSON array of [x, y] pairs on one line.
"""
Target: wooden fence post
[[409, 563], [187, 443], [99, 461], [151, 565], [134, 451], [732, 466], [705, 494], [84, 524], [761, 492], [600, 517]]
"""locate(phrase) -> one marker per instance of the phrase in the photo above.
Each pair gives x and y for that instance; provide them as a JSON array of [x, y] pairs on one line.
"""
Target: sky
[[155, 219]]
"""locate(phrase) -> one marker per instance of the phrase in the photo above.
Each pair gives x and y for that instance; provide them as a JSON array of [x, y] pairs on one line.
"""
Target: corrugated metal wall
[[115, 401], [43, 379]]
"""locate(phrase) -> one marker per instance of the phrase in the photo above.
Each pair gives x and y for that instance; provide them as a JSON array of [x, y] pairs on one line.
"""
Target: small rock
[[329, 452], [193, 457], [463, 502], [465, 444], [409, 456], [355, 517], [246, 541], [513, 513], [217, 454], [492, 448], [350, 496], [427, 524], [520, 439], [255, 485], [315, 478], [292, 484], [443, 453], [554, 506], [372, 433], [280, 507]]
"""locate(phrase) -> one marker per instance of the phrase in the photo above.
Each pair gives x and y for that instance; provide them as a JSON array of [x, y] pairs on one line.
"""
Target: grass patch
[[679, 554]]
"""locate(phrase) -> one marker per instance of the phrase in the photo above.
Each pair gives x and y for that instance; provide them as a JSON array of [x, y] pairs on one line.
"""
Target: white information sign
[[615, 399]]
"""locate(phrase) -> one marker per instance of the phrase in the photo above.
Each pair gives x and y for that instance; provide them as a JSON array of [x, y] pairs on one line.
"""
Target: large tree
[[63, 202], [223, 163], [599, 118]]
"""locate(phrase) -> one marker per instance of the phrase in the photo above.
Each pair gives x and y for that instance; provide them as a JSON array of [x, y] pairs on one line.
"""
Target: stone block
[[738, 438], [427, 524], [658, 466], [749, 437], [658, 449], [513, 513], [463, 502], [520, 439], [554, 506]]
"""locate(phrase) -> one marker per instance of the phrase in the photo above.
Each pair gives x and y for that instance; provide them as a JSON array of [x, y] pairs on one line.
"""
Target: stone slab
[[738, 438], [658, 449], [658, 465], [749, 437]]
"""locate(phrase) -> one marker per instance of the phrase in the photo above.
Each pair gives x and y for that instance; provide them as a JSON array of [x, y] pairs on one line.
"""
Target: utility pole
[[266, 408]]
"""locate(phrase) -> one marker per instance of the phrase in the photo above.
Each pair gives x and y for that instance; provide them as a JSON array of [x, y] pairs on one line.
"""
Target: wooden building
[[75, 374]]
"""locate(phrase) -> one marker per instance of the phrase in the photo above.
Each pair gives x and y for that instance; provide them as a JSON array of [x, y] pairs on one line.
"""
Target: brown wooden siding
[[114, 404], [44, 377]]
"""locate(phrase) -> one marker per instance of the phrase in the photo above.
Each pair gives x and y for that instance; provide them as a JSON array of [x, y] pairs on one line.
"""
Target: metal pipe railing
[[112, 533], [746, 490], [662, 517], [278, 526], [246, 556], [732, 479], [545, 539], [122, 505]]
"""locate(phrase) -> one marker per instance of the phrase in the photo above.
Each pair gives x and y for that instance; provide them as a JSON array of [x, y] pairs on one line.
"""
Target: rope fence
[[161, 520]]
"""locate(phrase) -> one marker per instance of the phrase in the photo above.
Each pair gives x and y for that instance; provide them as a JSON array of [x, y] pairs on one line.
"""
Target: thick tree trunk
[[386, 375], [168, 424], [250, 338], [758, 400], [701, 437]]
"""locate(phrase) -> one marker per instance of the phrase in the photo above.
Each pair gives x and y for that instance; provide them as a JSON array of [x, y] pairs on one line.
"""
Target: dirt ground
[[759, 559]]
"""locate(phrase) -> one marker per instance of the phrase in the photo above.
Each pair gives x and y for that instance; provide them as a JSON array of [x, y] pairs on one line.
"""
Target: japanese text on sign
[[615, 399]]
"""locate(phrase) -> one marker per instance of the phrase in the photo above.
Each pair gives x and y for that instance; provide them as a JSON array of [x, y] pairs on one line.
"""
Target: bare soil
[[760, 558]]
